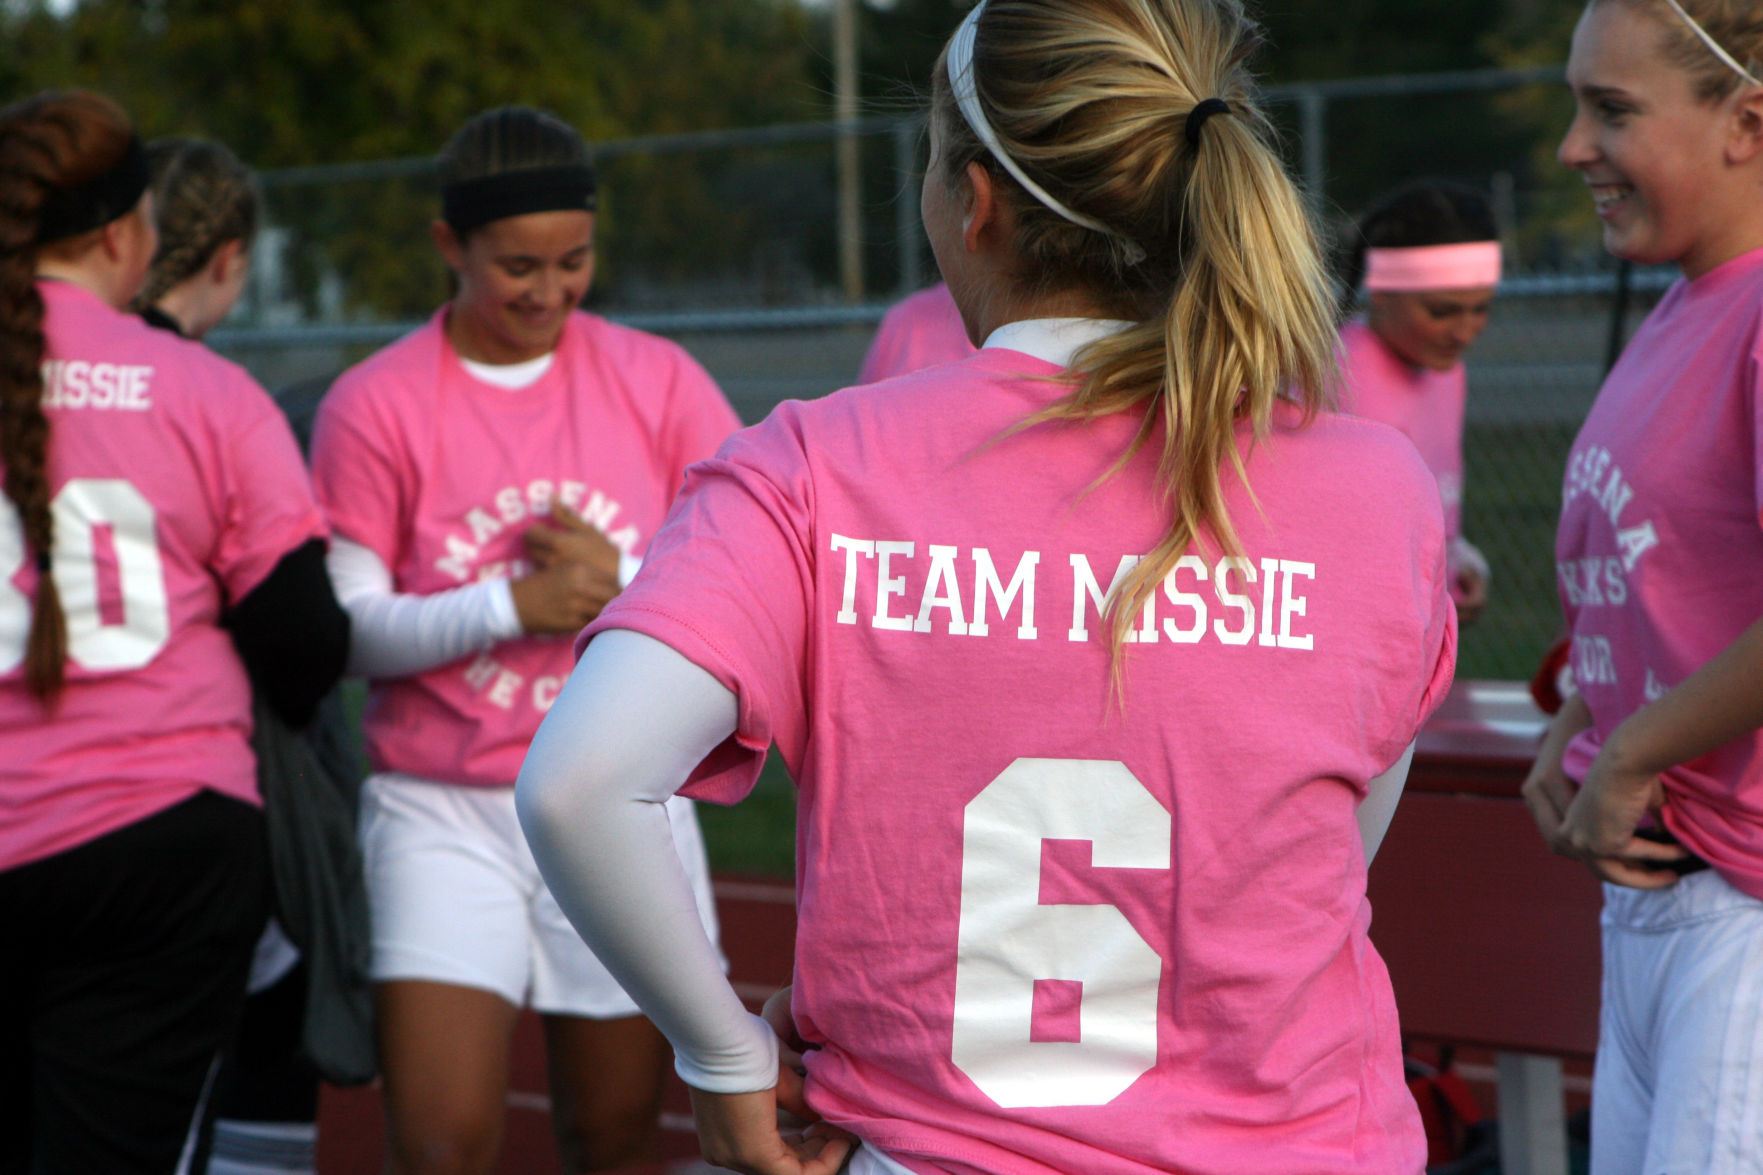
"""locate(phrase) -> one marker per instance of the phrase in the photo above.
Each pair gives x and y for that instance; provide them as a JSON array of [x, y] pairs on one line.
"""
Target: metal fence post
[[905, 207], [848, 152], [1313, 126]]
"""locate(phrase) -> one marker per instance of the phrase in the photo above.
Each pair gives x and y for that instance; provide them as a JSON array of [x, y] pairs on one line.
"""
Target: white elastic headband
[[1718, 49], [965, 89]]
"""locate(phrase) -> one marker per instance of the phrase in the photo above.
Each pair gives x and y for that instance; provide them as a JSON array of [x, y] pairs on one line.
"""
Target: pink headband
[[1434, 267]]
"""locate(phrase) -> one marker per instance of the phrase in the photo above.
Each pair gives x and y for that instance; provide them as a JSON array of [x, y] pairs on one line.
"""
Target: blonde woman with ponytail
[[1097, 669], [157, 538], [1652, 774]]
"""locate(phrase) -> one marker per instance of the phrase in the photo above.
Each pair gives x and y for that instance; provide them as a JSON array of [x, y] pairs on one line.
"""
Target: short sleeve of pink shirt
[[908, 602], [178, 488], [359, 477]]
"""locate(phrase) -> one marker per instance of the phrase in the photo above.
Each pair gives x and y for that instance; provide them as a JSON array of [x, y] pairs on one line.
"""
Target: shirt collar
[[1054, 340]]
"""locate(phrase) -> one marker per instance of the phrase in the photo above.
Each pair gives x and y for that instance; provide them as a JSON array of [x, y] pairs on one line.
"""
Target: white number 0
[[90, 513], [1008, 938]]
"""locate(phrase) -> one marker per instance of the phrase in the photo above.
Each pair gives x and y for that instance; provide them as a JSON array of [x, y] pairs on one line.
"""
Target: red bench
[[1490, 939]]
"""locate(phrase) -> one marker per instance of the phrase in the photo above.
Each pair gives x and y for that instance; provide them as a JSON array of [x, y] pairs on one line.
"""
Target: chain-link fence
[[728, 242]]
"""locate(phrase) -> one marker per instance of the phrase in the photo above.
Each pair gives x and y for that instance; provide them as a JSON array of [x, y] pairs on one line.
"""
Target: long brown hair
[[48, 142], [1232, 303]]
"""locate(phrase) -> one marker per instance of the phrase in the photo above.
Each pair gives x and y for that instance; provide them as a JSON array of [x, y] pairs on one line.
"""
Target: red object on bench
[[1490, 938]]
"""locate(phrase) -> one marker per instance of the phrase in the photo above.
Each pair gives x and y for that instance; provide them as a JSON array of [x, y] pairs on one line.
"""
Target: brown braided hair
[[203, 197], [50, 141]]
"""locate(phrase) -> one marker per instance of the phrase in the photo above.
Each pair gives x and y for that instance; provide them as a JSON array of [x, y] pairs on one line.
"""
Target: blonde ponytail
[[1233, 304]]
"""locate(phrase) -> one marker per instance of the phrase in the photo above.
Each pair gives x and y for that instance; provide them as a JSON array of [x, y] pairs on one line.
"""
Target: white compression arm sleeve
[[630, 725], [395, 634], [1378, 807]]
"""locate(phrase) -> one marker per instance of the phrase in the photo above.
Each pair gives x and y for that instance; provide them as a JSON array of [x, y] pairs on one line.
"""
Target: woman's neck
[[185, 305], [996, 307], [103, 281]]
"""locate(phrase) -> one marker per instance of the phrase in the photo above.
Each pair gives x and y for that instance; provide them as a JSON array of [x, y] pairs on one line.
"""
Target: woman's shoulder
[[932, 416], [624, 344], [1367, 452], [1365, 356], [99, 357], [401, 369]]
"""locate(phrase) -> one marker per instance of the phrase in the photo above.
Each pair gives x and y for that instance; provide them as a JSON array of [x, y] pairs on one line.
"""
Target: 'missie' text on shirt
[[77, 383], [1260, 600]]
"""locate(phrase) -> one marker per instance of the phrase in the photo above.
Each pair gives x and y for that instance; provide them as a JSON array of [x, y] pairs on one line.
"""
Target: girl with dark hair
[[207, 206], [1096, 667], [1652, 774], [1428, 258], [494, 479], [158, 539]]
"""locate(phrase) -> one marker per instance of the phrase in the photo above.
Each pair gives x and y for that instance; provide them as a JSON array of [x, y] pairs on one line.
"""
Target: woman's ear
[[447, 244], [111, 239], [980, 195], [1745, 141], [227, 256]]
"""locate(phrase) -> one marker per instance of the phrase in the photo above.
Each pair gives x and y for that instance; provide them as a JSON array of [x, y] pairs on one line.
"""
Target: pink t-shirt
[[178, 488], [921, 330], [439, 474], [1425, 406], [1660, 551], [1042, 929]]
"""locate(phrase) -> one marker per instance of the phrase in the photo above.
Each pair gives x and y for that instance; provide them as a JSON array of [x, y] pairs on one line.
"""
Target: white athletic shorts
[[457, 898], [1678, 1085]]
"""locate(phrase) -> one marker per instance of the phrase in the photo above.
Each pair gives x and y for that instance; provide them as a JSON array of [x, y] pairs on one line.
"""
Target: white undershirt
[[1055, 340], [510, 376], [397, 634], [633, 721]]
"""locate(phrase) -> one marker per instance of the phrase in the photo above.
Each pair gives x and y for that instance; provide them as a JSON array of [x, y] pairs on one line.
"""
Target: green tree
[[300, 82]]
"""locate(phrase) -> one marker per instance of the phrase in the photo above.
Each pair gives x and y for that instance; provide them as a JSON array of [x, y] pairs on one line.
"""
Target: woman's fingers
[[1548, 795]]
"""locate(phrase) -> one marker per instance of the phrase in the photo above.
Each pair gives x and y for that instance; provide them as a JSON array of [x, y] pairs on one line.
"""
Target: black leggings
[[122, 969]]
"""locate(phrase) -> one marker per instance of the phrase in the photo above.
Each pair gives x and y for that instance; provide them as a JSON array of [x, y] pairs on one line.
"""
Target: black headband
[[1199, 114], [472, 203], [68, 212]]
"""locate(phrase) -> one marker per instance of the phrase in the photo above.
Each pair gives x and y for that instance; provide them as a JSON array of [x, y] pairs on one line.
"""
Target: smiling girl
[[1428, 258], [1653, 774], [492, 479]]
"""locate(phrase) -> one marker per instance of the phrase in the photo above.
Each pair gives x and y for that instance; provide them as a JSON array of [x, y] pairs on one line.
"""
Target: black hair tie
[[1198, 115], [42, 562]]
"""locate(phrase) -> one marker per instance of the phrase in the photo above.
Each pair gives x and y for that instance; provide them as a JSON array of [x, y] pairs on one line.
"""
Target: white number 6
[[1008, 939]]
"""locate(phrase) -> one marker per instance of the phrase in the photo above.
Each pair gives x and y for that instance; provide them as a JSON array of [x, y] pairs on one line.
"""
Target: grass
[[757, 837]]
